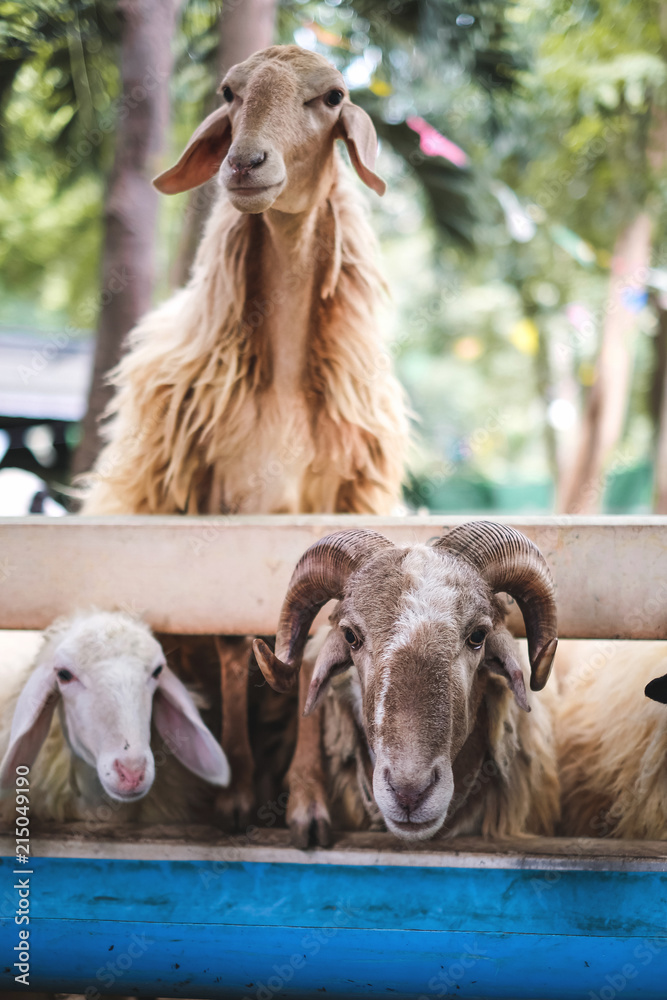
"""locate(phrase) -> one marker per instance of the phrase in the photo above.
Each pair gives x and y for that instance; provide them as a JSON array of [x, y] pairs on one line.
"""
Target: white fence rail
[[229, 574]]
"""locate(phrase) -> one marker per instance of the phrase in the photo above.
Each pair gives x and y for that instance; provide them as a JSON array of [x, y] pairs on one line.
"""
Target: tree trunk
[[246, 26], [604, 416], [657, 157], [660, 403], [131, 205]]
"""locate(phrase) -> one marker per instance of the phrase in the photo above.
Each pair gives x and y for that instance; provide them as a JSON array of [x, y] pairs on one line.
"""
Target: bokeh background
[[523, 233]]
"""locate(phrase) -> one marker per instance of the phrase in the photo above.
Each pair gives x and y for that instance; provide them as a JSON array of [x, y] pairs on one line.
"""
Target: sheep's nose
[[410, 795], [243, 163], [129, 777]]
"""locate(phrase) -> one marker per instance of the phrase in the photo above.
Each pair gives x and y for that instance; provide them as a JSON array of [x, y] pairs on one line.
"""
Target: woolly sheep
[[441, 697], [107, 676], [263, 385], [612, 741], [271, 355]]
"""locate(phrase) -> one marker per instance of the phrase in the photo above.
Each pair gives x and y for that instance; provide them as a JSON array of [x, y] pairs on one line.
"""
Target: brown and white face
[[424, 628], [271, 142], [420, 665]]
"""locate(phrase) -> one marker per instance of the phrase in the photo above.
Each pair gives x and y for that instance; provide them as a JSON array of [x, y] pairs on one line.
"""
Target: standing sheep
[[441, 694], [261, 387], [612, 743], [107, 676]]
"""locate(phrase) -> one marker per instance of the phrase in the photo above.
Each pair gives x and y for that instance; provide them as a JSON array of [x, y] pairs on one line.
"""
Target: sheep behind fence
[[108, 732], [441, 700]]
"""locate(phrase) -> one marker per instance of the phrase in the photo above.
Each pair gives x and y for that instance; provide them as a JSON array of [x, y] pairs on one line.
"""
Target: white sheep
[[612, 741], [437, 691], [94, 758], [263, 386]]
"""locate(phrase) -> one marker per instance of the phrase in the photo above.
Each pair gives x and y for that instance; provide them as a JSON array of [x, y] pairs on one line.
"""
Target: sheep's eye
[[476, 638], [228, 94], [352, 638], [65, 676], [334, 97], [157, 671]]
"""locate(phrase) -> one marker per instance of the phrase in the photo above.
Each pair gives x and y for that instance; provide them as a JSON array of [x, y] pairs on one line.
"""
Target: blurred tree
[[602, 423], [548, 110], [602, 77], [147, 27], [412, 59], [660, 405], [246, 26], [58, 91]]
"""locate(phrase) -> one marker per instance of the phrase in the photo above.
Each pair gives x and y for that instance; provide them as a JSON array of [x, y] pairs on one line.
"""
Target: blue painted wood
[[262, 930]]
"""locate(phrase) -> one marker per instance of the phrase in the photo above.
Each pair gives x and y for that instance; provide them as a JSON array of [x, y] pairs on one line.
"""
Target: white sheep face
[[108, 676]]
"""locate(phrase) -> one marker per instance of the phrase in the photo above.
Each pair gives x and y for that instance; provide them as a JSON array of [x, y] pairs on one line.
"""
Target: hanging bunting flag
[[573, 245], [634, 299], [434, 143], [519, 224], [580, 316]]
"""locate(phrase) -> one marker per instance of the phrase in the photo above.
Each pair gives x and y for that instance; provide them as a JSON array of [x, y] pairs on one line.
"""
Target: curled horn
[[319, 576], [510, 562]]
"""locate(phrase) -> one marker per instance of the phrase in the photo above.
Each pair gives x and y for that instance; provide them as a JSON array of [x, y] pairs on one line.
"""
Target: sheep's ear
[[201, 157], [500, 657], [356, 129], [31, 722], [656, 689], [182, 728], [333, 658]]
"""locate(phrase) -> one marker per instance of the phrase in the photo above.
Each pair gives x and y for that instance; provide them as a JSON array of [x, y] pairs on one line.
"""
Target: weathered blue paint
[[198, 929]]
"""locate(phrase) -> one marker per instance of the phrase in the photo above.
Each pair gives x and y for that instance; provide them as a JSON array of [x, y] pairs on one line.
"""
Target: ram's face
[[416, 630], [418, 623]]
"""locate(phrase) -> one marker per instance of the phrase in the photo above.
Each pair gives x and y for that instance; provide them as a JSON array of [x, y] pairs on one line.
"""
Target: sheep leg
[[235, 805], [307, 809]]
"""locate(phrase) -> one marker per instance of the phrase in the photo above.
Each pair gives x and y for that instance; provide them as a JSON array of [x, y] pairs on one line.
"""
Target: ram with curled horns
[[442, 699]]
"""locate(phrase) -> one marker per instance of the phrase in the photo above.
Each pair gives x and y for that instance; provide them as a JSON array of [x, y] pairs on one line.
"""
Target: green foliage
[[58, 81], [428, 56], [58, 91], [195, 77]]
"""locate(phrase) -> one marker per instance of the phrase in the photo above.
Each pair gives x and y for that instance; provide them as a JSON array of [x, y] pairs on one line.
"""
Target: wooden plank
[[262, 963], [205, 929], [228, 575], [201, 843]]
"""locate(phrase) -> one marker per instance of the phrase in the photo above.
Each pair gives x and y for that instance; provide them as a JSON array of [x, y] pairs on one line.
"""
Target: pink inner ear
[[500, 658], [31, 722], [518, 686], [357, 129], [202, 156], [332, 659], [184, 732], [25, 749]]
